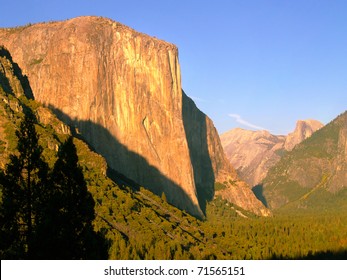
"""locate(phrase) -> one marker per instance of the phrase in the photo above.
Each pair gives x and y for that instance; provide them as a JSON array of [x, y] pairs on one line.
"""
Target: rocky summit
[[303, 130], [253, 153], [314, 174], [120, 90]]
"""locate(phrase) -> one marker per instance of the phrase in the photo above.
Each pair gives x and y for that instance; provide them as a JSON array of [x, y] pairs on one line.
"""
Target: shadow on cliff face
[[23, 79], [258, 191], [128, 167], [4, 82], [196, 131]]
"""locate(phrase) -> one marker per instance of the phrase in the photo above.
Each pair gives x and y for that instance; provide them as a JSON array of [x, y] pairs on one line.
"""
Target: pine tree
[[24, 176], [76, 236], [11, 246], [44, 217]]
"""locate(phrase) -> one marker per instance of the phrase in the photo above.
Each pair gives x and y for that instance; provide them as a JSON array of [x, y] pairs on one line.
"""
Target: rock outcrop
[[303, 130], [253, 153], [121, 90], [211, 165], [14, 103], [314, 174]]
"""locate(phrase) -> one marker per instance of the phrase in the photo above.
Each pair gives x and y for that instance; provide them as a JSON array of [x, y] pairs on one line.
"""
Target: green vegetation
[[24, 175], [334, 203], [136, 223], [219, 186], [310, 167], [282, 236], [18, 28], [281, 152], [2, 146], [45, 214], [146, 228], [141, 225], [36, 61]]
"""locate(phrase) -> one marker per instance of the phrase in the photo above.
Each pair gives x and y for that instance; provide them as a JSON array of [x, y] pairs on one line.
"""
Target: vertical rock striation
[[121, 90]]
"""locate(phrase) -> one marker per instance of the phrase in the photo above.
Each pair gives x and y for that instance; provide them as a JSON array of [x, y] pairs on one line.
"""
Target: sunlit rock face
[[121, 90], [253, 153], [303, 130]]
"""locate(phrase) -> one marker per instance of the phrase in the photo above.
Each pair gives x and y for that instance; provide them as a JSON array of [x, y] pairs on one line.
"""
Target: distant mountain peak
[[314, 174], [253, 153], [303, 130]]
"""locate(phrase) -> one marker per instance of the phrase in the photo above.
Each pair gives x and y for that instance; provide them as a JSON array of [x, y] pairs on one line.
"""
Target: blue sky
[[251, 64]]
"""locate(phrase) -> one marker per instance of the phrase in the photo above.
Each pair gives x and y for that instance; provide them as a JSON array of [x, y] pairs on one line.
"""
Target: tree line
[[46, 213]]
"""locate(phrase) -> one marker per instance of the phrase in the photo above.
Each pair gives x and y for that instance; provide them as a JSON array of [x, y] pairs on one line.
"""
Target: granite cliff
[[253, 153], [303, 130], [121, 91], [202, 139]]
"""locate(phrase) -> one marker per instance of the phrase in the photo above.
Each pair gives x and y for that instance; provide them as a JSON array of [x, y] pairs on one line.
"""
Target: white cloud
[[240, 120]]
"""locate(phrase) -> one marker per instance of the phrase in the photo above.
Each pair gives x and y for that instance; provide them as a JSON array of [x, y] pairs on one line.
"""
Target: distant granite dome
[[314, 174], [121, 90], [303, 130], [253, 153]]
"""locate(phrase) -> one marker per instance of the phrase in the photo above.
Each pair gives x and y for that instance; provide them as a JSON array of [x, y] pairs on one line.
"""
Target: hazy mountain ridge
[[121, 90], [253, 153]]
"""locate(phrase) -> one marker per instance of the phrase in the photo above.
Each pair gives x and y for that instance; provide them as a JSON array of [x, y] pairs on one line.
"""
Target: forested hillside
[[313, 176], [130, 222]]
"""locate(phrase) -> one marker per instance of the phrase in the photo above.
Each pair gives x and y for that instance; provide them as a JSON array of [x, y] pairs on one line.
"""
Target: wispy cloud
[[240, 120]]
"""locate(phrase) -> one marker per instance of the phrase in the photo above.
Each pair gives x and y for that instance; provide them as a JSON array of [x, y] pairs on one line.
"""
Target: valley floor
[[165, 232]]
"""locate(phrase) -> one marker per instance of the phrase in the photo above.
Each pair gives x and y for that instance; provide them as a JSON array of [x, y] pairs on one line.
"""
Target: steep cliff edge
[[303, 130], [211, 165], [121, 90], [124, 215], [253, 153]]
